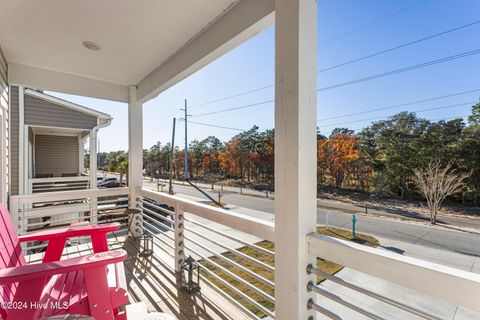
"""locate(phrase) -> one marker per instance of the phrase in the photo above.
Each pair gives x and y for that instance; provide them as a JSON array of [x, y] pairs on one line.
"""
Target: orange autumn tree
[[231, 159], [338, 155]]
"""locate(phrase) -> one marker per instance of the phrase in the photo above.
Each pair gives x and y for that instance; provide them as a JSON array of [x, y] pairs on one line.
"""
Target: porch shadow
[[153, 280]]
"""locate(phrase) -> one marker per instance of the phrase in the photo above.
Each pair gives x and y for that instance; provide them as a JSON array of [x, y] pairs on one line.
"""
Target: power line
[[396, 71], [397, 12], [216, 126], [398, 47], [233, 96], [357, 29], [167, 117], [399, 105], [234, 108], [414, 111], [345, 63], [389, 73]]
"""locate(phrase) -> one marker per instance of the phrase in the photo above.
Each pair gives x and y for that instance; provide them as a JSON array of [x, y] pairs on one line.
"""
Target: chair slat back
[[10, 252]]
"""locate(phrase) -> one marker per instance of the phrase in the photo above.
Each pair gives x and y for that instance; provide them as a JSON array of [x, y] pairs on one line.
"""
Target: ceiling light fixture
[[91, 45]]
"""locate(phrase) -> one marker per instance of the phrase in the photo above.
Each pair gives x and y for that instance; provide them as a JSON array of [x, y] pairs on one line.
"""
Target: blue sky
[[347, 29]]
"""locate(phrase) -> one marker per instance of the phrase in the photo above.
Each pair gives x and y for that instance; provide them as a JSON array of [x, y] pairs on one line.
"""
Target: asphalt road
[[434, 237]]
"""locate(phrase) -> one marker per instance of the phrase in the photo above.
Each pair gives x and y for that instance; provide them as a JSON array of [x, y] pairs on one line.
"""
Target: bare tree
[[437, 183]]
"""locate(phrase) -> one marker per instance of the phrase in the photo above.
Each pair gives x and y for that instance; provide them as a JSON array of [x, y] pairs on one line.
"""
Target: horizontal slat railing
[[65, 208], [41, 185], [215, 238], [449, 284], [251, 225]]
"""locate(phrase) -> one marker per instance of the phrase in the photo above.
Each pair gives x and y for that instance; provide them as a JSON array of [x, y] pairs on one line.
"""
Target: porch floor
[[152, 280]]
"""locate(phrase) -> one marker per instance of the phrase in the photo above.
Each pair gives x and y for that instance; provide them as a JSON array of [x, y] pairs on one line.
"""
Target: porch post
[[93, 158], [295, 153], [135, 144], [81, 164], [93, 173]]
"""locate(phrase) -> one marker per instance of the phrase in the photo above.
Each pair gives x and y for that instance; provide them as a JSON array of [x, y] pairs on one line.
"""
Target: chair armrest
[[70, 232], [44, 270]]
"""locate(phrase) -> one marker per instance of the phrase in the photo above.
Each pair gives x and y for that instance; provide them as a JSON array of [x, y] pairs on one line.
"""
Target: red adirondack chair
[[92, 285]]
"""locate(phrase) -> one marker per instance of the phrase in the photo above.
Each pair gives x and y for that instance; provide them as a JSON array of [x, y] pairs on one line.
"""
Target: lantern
[[191, 275], [146, 245]]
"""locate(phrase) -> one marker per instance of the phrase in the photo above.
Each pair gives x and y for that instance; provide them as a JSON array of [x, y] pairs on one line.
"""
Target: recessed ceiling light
[[91, 45]]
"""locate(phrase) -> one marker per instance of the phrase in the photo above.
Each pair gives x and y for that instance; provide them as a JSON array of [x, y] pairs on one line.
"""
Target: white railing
[[457, 287], [215, 237], [218, 239], [41, 185], [59, 209]]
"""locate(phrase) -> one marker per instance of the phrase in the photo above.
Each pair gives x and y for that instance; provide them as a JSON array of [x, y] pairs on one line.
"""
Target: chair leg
[[98, 293], [54, 249], [99, 242]]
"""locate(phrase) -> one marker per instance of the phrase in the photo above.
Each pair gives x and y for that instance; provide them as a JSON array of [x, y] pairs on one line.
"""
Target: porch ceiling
[[49, 34], [42, 40]]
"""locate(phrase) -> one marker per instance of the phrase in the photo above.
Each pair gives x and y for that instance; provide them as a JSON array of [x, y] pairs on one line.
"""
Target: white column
[[93, 171], [295, 153], [81, 164], [135, 144], [93, 159], [21, 141]]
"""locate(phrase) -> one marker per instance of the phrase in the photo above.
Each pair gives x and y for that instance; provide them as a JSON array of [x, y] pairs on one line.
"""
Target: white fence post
[[179, 238], [135, 221]]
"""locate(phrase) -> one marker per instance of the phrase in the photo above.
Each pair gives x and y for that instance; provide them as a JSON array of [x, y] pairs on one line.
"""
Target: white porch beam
[[235, 26], [135, 143], [295, 153], [38, 78]]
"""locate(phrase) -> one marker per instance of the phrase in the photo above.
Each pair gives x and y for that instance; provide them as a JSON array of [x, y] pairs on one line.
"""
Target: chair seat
[[68, 292], [62, 292]]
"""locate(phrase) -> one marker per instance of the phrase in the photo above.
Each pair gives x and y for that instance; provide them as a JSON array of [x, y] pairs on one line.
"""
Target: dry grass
[[324, 265], [347, 235]]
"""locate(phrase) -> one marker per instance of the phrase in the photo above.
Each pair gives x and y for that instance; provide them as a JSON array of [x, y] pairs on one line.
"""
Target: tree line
[[381, 158]]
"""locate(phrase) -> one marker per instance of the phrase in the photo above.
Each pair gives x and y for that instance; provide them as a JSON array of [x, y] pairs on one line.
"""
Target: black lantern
[[191, 275], [146, 245]]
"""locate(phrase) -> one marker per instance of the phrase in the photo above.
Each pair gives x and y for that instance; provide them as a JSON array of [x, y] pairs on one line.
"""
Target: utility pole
[[170, 185], [186, 141]]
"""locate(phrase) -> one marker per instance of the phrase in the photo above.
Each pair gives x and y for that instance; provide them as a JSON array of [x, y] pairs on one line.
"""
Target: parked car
[[105, 181], [111, 184]]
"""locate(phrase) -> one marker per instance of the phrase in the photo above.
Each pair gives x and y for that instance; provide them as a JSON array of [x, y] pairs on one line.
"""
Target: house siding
[[4, 127], [40, 112], [56, 155]]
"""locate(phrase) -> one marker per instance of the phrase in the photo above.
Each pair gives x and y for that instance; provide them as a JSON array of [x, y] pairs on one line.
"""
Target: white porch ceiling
[[151, 44], [135, 36]]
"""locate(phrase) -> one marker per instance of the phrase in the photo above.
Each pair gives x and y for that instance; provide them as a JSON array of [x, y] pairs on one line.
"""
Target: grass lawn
[[324, 265]]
